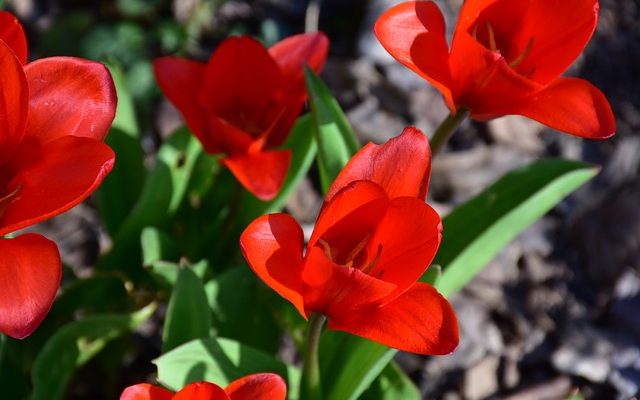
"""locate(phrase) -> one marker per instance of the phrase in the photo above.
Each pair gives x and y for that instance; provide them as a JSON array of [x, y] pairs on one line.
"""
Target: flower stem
[[446, 129], [312, 17], [311, 385]]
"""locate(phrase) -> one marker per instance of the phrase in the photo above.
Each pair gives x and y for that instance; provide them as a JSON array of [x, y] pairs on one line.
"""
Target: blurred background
[[557, 311]]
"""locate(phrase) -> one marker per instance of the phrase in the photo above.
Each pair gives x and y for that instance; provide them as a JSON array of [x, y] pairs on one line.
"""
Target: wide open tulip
[[244, 102], [374, 237], [263, 386], [54, 114], [506, 58]]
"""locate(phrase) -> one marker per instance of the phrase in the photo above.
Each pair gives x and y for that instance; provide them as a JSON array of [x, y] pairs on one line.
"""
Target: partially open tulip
[[244, 101], [375, 236], [264, 386], [506, 57], [54, 114]]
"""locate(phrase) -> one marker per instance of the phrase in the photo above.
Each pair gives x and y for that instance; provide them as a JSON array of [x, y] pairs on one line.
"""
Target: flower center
[[355, 257], [6, 200], [485, 34]]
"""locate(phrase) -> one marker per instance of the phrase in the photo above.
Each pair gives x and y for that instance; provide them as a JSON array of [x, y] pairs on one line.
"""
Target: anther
[[492, 37], [6, 200], [522, 55]]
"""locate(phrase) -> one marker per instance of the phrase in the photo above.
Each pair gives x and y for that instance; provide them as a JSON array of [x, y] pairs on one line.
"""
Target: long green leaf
[[349, 364], [475, 232], [188, 314], [75, 344], [335, 138], [161, 196], [121, 188], [236, 294], [392, 384], [221, 361]]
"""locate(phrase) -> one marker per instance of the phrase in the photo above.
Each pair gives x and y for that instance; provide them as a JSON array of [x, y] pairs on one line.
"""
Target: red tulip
[[506, 57], [54, 114], [244, 102], [263, 386], [375, 236]]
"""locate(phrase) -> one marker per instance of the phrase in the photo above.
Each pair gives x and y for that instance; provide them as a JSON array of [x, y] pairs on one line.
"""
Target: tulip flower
[[506, 57], [244, 101], [54, 114], [264, 386], [374, 237]]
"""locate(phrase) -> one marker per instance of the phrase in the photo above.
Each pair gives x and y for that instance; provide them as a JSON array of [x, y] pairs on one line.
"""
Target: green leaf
[[74, 345], [121, 188], [188, 315], [336, 140], [349, 364], [392, 384], [221, 361], [161, 196], [241, 307], [166, 272], [125, 119], [157, 246], [476, 231]]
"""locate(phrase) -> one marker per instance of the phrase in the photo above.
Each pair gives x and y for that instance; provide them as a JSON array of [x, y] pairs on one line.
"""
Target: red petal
[[291, 54], [223, 137], [350, 215], [401, 166], [12, 34], [180, 80], [337, 290], [484, 82], [570, 105], [14, 103], [408, 236], [272, 246], [201, 391], [53, 178], [31, 269], [294, 52], [243, 84], [414, 34], [69, 96], [557, 37], [418, 321], [258, 386], [145, 391], [260, 173]]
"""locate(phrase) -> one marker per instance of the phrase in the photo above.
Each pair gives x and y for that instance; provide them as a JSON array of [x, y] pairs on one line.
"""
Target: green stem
[[446, 129], [311, 385]]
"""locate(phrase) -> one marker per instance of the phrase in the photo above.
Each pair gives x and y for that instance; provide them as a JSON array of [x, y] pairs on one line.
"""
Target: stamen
[[367, 268], [474, 33], [492, 37], [325, 248], [6, 200], [522, 55], [359, 247]]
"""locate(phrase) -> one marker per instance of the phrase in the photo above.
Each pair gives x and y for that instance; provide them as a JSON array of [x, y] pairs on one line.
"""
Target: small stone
[[481, 380]]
